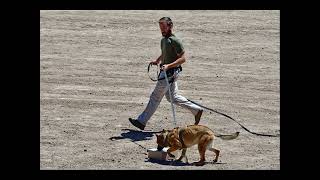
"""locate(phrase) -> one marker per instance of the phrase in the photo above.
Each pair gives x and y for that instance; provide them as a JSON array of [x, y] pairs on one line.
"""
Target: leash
[[170, 94], [258, 134], [171, 72], [246, 129], [168, 85], [158, 74]]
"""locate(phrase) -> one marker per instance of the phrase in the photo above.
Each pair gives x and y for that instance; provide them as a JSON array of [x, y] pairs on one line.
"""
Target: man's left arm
[[181, 59], [179, 49]]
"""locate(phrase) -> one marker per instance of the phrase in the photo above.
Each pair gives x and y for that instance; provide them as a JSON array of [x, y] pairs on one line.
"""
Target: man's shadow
[[135, 135]]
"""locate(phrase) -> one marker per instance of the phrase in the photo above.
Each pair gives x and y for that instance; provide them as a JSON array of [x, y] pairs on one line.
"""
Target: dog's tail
[[228, 137]]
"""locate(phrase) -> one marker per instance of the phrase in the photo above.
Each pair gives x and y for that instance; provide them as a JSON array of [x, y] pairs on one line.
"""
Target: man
[[171, 58]]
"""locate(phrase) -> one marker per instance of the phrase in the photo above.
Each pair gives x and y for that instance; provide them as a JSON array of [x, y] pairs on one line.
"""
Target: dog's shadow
[[135, 135], [176, 163], [171, 163]]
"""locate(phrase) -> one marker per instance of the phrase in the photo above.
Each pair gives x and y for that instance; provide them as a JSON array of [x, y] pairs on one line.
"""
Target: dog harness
[[166, 142], [180, 137]]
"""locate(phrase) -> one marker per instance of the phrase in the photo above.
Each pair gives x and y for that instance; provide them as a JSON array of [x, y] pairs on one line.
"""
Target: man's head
[[165, 25]]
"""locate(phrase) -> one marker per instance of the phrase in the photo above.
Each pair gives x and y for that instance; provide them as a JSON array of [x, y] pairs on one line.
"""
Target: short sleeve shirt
[[170, 48]]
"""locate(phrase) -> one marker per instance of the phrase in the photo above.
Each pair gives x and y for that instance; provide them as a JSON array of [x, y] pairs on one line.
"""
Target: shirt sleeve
[[177, 44]]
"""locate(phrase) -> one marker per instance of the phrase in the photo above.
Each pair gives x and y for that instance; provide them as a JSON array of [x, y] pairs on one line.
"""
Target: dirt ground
[[93, 77]]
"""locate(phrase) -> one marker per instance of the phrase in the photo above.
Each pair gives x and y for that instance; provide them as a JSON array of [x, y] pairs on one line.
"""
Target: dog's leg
[[171, 149], [202, 151], [217, 152], [204, 142], [183, 154], [186, 160]]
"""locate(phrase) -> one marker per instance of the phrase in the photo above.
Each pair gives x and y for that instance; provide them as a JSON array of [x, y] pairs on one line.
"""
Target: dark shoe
[[136, 123], [197, 117]]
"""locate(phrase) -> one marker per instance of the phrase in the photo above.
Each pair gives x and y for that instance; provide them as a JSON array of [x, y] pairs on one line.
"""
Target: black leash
[[258, 134], [149, 74]]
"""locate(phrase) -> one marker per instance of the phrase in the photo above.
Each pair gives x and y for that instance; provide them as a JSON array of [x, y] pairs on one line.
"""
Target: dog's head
[[161, 139]]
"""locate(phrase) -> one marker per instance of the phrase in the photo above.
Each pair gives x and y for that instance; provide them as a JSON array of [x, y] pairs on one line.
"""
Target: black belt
[[170, 73]]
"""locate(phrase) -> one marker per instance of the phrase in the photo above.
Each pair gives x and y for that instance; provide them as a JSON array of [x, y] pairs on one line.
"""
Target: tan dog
[[183, 138]]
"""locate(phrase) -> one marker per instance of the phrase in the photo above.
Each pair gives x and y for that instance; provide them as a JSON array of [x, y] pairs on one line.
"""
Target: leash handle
[[170, 94], [150, 64]]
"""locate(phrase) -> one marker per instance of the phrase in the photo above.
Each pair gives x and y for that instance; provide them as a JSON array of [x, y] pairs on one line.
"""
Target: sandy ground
[[93, 78]]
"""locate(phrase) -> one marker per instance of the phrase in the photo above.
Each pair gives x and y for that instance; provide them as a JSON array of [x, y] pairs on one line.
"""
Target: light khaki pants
[[159, 91]]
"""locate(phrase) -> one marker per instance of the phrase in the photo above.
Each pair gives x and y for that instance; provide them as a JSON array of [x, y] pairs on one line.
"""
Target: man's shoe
[[197, 117], [136, 123]]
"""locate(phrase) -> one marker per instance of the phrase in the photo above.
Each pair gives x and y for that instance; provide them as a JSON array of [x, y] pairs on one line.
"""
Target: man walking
[[171, 58]]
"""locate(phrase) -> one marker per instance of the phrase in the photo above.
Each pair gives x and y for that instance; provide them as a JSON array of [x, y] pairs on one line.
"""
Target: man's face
[[164, 27]]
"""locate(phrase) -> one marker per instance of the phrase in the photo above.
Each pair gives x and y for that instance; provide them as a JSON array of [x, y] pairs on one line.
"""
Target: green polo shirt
[[170, 48]]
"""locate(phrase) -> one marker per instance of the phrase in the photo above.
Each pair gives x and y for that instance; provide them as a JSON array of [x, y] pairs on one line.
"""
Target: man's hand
[[165, 67], [155, 62]]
